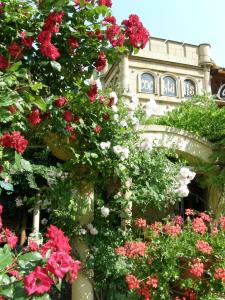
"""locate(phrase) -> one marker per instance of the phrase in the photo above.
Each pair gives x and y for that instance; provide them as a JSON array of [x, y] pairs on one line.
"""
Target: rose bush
[[176, 258], [32, 272]]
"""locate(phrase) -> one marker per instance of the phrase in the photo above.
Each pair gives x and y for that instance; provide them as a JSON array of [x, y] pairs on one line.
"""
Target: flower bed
[[177, 259]]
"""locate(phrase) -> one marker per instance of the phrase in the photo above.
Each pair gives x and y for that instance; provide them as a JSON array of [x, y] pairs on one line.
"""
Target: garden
[[85, 200]]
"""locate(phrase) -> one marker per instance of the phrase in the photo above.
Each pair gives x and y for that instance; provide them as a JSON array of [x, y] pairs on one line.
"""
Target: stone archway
[[181, 141], [191, 147]]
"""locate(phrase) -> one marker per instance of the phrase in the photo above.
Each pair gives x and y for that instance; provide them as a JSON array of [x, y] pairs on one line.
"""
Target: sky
[[189, 21]]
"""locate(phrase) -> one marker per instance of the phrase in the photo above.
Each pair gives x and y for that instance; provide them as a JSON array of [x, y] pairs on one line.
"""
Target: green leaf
[[26, 165], [7, 291], [30, 257], [37, 86], [42, 297], [6, 186], [18, 159], [40, 102], [6, 259], [15, 66], [4, 279], [56, 65]]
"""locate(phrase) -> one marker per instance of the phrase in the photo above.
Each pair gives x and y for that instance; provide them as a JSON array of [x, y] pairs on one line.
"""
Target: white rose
[[191, 175], [105, 145], [184, 172], [94, 231], [183, 191], [123, 123], [117, 149], [114, 96], [127, 195], [83, 231], [114, 108], [147, 144], [116, 117], [90, 226], [105, 211], [125, 153]]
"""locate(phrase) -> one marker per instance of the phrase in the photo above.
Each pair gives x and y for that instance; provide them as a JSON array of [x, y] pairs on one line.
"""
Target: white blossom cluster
[[105, 145], [147, 143], [186, 176], [92, 229], [123, 152], [105, 211]]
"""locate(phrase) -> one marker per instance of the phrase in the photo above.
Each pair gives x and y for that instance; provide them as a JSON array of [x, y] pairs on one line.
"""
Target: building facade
[[168, 71]]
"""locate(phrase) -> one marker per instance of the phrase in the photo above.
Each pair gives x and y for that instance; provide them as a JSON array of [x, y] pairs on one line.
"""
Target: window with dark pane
[[189, 88], [147, 83], [169, 86]]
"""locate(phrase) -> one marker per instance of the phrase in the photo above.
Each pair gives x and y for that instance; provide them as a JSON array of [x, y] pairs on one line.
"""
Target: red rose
[[69, 128], [109, 19], [73, 42], [50, 51], [26, 41], [44, 37], [98, 129], [101, 62], [4, 64], [60, 102], [15, 50], [92, 93], [73, 137], [105, 2], [37, 282], [68, 116], [34, 117], [115, 35]]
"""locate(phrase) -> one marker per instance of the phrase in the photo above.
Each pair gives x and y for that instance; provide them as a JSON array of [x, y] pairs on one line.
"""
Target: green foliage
[[199, 115], [154, 179]]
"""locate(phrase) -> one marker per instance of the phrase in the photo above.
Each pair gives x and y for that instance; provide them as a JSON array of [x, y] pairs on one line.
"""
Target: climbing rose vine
[[35, 269]]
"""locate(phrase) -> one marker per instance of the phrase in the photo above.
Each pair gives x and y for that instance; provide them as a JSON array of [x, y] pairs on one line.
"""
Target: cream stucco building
[[166, 70]]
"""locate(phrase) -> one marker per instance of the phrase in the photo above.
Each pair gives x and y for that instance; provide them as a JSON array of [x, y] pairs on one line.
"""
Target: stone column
[[206, 63], [124, 74], [216, 200], [36, 218], [82, 288]]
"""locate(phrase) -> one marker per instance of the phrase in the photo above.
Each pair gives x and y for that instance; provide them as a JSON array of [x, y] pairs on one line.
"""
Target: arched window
[[169, 86], [147, 83], [189, 88]]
